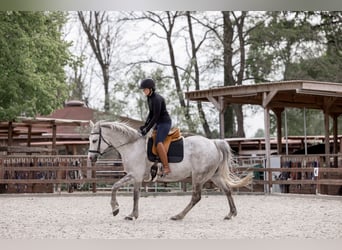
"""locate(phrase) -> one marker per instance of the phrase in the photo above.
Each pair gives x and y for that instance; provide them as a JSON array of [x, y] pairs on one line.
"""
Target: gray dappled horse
[[204, 160]]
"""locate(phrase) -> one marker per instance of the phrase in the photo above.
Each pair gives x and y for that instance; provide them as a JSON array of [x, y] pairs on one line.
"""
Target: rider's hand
[[142, 131]]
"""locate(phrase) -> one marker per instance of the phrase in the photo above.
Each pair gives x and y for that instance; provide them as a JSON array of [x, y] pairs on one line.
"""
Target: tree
[[32, 60], [297, 45], [274, 45], [327, 65], [166, 22], [104, 35], [259, 133], [230, 77], [194, 66], [134, 96], [231, 34]]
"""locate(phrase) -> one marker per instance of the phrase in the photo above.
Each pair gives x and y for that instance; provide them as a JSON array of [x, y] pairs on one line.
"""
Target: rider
[[158, 117]]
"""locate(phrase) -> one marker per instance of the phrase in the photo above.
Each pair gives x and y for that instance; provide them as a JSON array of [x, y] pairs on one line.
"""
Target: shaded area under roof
[[276, 96]]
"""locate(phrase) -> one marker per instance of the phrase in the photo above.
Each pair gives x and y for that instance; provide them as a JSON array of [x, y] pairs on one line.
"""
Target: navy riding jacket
[[158, 113]]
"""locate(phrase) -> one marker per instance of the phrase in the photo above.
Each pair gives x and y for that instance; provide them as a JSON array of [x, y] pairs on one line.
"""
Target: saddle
[[173, 144], [173, 135]]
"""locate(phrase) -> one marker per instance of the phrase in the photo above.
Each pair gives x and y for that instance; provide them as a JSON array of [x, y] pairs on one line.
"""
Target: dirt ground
[[88, 216]]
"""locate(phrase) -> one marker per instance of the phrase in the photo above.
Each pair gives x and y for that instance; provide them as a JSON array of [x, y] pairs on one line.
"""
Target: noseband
[[101, 138]]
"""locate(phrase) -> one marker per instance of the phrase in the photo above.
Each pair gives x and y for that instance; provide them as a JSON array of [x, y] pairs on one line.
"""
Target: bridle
[[101, 138]]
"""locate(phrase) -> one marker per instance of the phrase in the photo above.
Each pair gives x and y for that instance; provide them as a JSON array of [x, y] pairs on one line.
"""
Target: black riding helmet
[[147, 84]]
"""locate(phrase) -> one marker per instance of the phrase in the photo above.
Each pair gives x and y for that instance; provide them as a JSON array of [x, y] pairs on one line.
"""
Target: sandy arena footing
[[90, 217]]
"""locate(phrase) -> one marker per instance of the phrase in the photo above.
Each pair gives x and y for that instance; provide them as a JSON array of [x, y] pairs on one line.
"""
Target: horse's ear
[[91, 124]]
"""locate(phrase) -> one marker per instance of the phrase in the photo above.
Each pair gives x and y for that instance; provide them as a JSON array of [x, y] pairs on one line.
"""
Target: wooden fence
[[307, 174], [289, 174], [48, 173]]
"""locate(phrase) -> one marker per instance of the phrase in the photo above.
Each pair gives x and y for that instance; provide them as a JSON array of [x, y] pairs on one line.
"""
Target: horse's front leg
[[127, 179], [136, 196]]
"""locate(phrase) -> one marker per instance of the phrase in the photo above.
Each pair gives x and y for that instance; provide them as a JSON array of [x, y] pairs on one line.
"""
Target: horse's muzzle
[[92, 157]]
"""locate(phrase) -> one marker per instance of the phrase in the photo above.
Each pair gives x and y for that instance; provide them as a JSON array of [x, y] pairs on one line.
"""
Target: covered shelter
[[276, 96], [64, 131], [30, 135]]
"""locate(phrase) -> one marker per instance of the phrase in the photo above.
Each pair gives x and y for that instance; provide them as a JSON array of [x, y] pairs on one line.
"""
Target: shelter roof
[[73, 110], [72, 116], [295, 93]]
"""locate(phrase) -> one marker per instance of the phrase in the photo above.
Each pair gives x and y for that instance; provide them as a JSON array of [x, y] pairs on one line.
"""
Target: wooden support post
[[222, 109], [327, 137], [219, 104], [335, 147], [54, 137], [267, 143], [278, 113]]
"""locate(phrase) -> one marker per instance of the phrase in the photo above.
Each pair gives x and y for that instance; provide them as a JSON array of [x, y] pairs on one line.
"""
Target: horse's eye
[[94, 141]]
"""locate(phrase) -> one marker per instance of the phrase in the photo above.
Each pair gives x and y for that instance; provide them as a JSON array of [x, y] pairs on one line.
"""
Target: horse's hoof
[[128, 218], [230, 215], [115, 212], [148, 180], [176, 218]]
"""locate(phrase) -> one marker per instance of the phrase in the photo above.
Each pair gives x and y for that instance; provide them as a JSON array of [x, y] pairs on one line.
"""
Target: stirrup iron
[[154, 171]]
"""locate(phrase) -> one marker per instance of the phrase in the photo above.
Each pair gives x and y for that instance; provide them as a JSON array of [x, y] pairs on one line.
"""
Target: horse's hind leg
[[227, 190], [196, 197]]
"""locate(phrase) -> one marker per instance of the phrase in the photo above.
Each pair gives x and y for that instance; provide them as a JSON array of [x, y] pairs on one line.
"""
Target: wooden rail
[[55, 170], [30, 170], [302, 172]]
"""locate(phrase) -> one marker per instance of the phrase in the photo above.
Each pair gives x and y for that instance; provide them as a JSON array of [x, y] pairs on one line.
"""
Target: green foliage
[[259, 133], [295, 122], [32, 60], [279, 40], [128, 98], [297, 46]]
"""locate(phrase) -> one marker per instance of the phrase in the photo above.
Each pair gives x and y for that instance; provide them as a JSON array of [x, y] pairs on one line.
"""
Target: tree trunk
[[194, 63], [101, 44], [175, 71], [228, 33], [234, 125]]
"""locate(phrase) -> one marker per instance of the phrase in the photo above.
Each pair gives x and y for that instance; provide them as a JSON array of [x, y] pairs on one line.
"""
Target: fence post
[[59, 177], [2, 172], [183, 185], [318, 186], [93, 175]]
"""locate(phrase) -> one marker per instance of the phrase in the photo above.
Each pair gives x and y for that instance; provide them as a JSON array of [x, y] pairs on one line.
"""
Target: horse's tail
[[226, 167]]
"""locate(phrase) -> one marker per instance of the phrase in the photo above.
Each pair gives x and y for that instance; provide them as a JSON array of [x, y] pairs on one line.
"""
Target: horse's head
[[101, 138], [98, 145]]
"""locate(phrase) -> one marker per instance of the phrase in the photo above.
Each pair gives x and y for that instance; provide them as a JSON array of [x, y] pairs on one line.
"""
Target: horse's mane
[[122, 127], [135, 124]]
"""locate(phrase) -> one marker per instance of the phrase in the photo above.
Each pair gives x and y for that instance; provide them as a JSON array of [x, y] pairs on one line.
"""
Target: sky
[[253, 122]]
